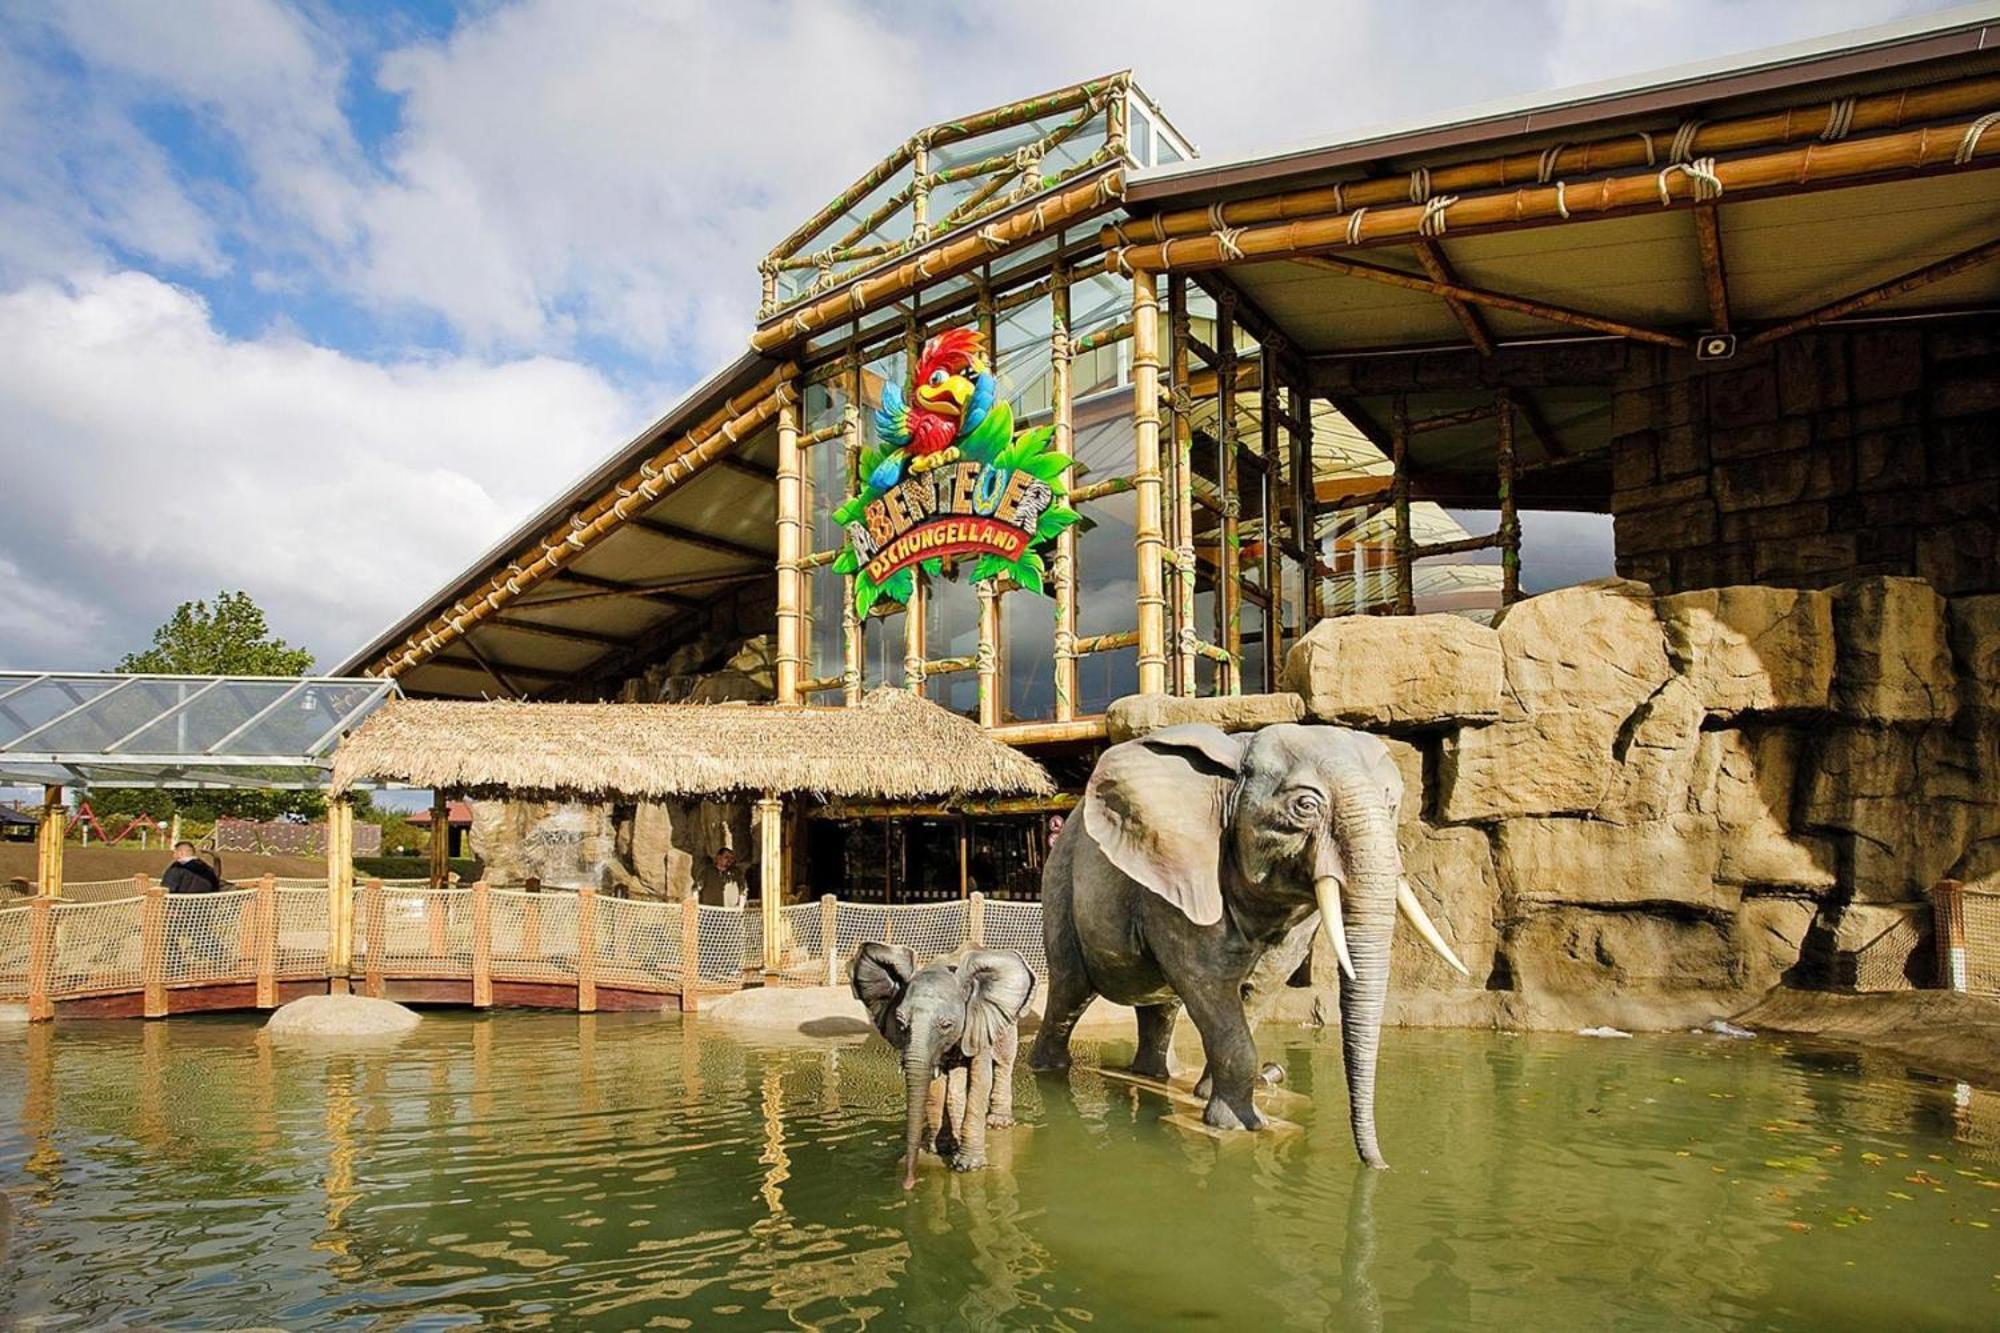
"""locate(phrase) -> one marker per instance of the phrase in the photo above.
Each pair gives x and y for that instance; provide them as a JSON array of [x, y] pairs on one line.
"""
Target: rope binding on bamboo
[[1683, 145], [1354, 224], [1433, 221], [1703, 183], [1839, 119], [1969, 145]]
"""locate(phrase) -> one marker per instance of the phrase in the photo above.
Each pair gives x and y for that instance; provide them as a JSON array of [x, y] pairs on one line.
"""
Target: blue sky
[[319, 299]]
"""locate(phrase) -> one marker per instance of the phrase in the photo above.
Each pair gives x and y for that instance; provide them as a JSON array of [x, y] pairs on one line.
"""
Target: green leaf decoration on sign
[[866, 593], [990, 439], [901, 586], [1028, 571], [990, 567], [850, 511], [847, 562], [933, 566], [1056, 520]]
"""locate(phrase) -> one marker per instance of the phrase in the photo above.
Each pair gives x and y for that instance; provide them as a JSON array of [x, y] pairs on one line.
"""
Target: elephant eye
[[1308, 804]]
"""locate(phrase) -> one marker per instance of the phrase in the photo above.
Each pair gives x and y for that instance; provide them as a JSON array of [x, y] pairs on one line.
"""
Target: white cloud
[[158, 460]]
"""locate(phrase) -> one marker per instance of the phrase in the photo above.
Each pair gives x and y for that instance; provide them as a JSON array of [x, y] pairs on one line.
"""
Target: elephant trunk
[[917, 1069], [1366, 828]]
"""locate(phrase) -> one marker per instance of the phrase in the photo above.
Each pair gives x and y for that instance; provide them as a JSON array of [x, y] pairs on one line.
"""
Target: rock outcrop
[[1652, 809], [1141, 714], [341, 1016]]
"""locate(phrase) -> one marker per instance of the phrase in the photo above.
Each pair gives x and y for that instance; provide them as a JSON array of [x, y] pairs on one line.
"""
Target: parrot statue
[[954, 391]]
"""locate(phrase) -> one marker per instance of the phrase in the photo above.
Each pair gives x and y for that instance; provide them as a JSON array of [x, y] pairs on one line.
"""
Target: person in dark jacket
[[198, 932], [189, 873]]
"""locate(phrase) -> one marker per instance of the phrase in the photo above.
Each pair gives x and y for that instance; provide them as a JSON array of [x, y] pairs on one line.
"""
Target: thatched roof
[[894, 746]]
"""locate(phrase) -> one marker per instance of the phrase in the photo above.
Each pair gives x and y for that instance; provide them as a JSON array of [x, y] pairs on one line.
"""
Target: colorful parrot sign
[[948, 478]]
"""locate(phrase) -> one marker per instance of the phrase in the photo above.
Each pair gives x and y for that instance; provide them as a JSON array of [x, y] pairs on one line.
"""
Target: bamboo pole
[[920, 189], [852, 647], [1948, 916], [265, 942], [988, 653], [482, 944], [975, 920], [791, 545], [690, 952], [1924, 149], [1304, 522], [49, 836], [1148, 538], [1399, 449], [829, 936], [1923, 277], [1884, 111], [1229, 563], [1274, 567], [716, 436], [153, 948], [339, 894], [1182, 459], [1544, 310], [914, 614], [771, 877], [440, 837], [946, 260], [1714, 275], [1063, 439], [1510, 518]]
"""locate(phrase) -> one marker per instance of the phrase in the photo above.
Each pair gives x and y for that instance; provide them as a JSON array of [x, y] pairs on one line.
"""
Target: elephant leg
[[978, 1101], [951, 1135], [1069, 995], [1005, 1049], [933, 1114], [1156, 1034], [1217, 1012]]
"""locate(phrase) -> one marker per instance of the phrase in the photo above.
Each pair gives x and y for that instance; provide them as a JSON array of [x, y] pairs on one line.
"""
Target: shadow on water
[[555, 1170]]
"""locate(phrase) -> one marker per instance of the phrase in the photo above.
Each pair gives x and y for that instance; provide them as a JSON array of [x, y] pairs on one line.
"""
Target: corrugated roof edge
[[698, 402], [1964, 30]]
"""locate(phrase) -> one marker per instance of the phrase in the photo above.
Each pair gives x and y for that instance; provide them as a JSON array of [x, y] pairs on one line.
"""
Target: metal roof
[[1967, 30], [103, 730]]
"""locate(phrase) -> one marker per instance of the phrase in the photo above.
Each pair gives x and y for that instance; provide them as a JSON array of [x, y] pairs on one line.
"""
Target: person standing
[[201, 927], [189, 873]]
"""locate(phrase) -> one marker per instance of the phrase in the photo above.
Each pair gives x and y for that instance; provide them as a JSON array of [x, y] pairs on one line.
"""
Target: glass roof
[[99, 730]]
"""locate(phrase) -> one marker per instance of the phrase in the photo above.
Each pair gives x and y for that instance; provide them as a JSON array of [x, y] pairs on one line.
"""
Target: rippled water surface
[[527, 1169]]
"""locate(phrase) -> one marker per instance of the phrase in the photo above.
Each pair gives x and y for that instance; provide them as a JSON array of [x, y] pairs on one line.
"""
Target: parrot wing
[[985, 388], [892, 418]]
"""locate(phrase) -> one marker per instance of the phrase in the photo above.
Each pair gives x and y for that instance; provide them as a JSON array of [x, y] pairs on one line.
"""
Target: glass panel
[[1005, 858], [826, 596], [26, 704], [882, 649], [209, 716], [951, 629], [1027, 656], [1253, 647]]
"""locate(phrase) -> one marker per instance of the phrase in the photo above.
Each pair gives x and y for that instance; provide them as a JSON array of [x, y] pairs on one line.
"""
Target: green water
[[527, 1170]]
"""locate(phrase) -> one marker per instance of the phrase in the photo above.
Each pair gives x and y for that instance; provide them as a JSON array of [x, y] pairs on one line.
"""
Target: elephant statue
[[1196, 852], [955, 1022]]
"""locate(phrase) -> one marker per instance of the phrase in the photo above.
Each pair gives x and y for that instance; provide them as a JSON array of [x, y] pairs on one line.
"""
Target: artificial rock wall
[[1818, 459], [1646, 810]]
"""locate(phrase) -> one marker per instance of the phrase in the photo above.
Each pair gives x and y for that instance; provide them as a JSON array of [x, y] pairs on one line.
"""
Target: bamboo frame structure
[[770, 817], [1149, 540], [1229, 556], [1399, 499], [50, 832], [1884, 111], [1912, 151], [852, 647], [667, 469], [340, 889], [1063, 438], [791, 548], [1181, 460]]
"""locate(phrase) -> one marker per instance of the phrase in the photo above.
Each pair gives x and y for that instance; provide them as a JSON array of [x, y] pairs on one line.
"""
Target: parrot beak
[[948, 398]]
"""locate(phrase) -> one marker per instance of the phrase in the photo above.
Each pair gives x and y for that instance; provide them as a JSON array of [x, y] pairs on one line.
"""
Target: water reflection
[[545, 1169]]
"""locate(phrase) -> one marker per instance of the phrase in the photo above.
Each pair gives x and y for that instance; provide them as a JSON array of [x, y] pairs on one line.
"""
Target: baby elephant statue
[[1197, 852], [956, 1023]]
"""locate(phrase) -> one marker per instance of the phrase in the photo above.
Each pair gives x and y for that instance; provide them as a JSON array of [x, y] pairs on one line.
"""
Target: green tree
[[230, 638]]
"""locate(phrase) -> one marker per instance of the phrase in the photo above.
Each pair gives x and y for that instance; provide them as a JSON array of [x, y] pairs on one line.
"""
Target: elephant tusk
[[1327, 890], [1406, 899]]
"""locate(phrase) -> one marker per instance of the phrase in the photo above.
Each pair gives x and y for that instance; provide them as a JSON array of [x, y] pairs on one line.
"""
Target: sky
[[319, 300]]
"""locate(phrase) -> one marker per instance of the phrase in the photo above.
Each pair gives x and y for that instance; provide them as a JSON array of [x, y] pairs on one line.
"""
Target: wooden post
[[378, 937], [1948, 906], [152, 947], [1229, 561], [41, 957], [1273, 454], [1312, 601], [264, 942], [1063, 441], [770, 876], [975, 921], [829, 936], [440, 838], [1148, 538], [586, 950], [49, 835], [1399, 496], [791, 548], [482, 944], [1510, 519], [690, 952], [915, 613], [990, 684]]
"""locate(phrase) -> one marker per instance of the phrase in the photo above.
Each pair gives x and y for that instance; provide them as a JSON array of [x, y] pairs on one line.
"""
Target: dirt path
[[17, 859]]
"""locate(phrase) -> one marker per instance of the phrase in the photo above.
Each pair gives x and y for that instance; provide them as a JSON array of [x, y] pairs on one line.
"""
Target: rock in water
[[1722, 1027], [1602, 1032], [341, 1016]]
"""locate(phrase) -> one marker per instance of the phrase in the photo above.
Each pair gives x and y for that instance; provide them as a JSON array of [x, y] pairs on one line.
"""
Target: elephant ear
[[878, 976], [1157, 807], [998, 985]]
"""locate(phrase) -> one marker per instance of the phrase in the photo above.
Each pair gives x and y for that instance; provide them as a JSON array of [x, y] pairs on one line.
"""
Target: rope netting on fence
[[1982, 941], [408, 931]]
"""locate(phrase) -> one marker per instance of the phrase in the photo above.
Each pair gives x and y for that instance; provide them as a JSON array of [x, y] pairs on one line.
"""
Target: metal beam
[[486, 665]]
